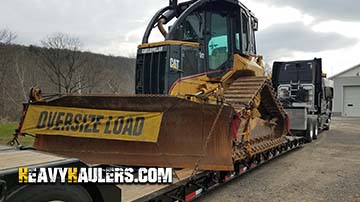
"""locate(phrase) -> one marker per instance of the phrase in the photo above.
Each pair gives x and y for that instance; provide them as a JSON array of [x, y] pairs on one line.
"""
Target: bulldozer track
[[243, 95]]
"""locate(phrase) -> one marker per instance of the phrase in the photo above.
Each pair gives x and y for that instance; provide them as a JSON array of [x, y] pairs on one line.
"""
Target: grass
[[6, 134]]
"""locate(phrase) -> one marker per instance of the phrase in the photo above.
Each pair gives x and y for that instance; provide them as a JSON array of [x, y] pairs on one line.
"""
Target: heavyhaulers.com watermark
[[95, 175]]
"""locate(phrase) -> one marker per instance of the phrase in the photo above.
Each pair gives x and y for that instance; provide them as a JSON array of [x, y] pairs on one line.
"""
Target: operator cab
[[202, 40]]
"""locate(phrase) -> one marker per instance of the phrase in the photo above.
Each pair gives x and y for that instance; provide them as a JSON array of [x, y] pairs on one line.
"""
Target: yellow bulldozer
[[202, 100]]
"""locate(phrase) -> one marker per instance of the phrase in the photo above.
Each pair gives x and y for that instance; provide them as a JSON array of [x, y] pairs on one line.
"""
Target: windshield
[[294, 72]]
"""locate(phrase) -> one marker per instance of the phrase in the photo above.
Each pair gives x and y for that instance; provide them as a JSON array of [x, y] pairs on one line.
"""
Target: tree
[[267, 69], [6, 38], [64, 63], [6, 58], [90, 76]]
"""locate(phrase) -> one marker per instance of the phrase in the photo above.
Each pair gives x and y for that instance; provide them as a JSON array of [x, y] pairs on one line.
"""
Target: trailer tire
[[316, 129], [309, 133], [326, 127], [52, 192]]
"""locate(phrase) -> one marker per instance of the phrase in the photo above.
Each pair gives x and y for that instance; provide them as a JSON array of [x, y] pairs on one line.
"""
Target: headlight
[[283, 92], [310, 93]]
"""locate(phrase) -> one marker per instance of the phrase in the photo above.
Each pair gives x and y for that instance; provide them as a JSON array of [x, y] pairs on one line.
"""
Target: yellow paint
[[169, 42], [243, 66], [191, 86], [92, 123]]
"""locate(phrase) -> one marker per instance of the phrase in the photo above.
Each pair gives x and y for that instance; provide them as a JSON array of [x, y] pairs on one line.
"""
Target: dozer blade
[[191, 135]]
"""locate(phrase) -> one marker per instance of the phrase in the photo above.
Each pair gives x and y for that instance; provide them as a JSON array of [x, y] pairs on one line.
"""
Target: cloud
[[344, 10], [116, 27], [282, 40], [97, 23]]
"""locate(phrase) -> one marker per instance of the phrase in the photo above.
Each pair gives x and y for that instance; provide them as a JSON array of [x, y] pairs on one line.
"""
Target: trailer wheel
[[309, 133], [316, 130], [327, 125], [47, 193]]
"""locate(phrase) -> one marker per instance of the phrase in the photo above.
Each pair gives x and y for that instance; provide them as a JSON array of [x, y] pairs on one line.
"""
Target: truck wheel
[[316, 130], [47, 193], [309, 133], [327, 125]]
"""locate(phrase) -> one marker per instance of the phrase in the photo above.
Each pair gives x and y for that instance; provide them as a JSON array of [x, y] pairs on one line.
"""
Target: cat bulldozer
[[201, 99]]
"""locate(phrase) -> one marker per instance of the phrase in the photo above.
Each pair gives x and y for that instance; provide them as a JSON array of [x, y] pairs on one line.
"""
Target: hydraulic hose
[[161, 27]]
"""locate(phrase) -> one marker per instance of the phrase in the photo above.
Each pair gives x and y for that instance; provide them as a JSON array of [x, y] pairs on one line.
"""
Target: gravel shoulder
[[328, 169]]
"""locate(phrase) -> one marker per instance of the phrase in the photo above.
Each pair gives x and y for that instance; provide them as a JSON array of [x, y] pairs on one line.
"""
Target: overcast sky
[[289, 29]]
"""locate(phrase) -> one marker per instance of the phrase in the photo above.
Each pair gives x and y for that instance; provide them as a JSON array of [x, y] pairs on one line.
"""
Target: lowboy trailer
[[186, 186]]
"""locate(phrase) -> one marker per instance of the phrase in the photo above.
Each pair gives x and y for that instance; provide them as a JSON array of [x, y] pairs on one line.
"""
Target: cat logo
[[174, 64]]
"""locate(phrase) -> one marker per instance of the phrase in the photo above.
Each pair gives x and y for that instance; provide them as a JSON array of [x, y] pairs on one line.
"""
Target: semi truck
[[306, 94]]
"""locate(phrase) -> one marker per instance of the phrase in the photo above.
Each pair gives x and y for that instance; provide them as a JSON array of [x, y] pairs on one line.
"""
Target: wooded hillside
[[58, 67]]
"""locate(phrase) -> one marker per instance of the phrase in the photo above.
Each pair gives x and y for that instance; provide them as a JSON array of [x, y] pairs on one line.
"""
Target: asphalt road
[[327, 169]]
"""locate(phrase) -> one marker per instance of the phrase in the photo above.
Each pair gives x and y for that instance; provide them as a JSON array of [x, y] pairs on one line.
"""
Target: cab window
[[191, 29], [218, 48], [245, 35]]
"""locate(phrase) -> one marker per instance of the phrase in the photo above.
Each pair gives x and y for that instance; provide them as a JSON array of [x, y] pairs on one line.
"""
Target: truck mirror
[[255, 24]]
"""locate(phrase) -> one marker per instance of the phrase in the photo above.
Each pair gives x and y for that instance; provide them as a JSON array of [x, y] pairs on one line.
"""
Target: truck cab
[[306, 95]]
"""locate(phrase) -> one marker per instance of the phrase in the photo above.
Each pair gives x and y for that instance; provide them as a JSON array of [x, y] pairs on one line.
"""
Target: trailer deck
[[186, 186], [12, 158], [136, 192]]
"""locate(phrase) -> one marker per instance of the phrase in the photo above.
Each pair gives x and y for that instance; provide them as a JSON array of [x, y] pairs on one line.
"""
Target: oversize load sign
[[92, 123]]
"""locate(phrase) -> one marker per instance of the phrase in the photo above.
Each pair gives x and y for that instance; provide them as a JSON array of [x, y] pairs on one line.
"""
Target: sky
[[288, 29]]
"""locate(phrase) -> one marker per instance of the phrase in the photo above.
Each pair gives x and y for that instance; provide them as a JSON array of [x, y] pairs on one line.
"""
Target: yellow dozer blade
[[163, 131]]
